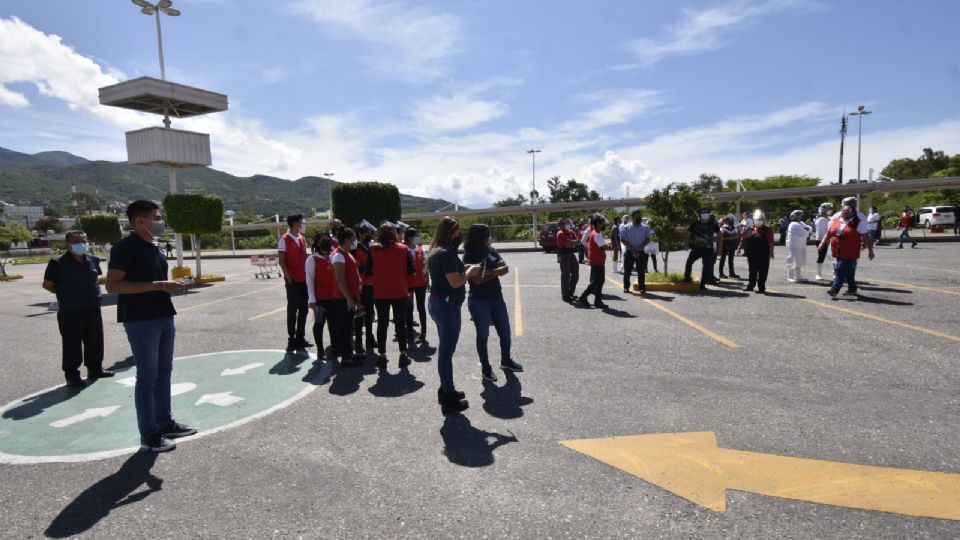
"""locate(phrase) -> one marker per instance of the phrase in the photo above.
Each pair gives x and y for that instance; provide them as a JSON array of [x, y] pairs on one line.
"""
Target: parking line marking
[[267, 314], [913, 327], [228, 298], [911, 286], [518, 314], [915, 266]]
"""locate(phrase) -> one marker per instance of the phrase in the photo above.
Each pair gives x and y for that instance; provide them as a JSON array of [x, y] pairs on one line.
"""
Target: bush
[[372, 201], [101, 228], [194, 214]]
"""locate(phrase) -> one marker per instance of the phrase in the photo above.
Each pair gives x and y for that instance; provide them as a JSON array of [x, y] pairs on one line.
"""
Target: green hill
[[44, 179]]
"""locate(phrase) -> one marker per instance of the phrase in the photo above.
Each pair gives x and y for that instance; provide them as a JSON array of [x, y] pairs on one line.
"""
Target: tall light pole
[[329, 177], [843, 136], [533, 194], [861, 112]]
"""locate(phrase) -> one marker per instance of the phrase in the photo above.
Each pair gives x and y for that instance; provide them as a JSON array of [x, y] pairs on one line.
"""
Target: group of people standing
[[354, 278]]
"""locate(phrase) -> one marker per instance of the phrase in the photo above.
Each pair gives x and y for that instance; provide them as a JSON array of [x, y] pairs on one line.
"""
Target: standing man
[[757, 243], [700, 236], [73, 278], [846, 236], [635, 238], [596, 246], [137, 274], [567, 243], [906, 222], [293, 263], [169, 249], [783, 223], [873, 225], [615, 242]]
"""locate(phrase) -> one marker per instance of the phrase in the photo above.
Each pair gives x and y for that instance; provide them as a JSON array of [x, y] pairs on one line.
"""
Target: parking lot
[[297, 449]]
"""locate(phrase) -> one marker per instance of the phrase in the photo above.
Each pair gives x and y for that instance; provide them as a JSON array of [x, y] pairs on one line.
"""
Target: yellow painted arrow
[[692, 466]]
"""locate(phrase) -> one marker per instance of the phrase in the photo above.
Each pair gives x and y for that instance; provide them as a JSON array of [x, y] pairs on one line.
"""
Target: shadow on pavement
[[346, 380], [393, 386], [885, 289], [782, 295], [651, 296], [289, 364], [619, 313], [421, 352], [37, 404], [114, 491], [468, 446], [873, 300], [122, 365], [505, 401], [723, 293], [319, 373]]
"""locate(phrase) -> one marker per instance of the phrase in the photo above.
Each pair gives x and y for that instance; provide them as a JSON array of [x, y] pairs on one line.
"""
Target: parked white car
[[935, 215]]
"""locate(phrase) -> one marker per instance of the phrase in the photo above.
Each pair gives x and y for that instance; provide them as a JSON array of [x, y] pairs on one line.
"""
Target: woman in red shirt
[[417, 285], [389, 265], [346, 296], [320, 285]]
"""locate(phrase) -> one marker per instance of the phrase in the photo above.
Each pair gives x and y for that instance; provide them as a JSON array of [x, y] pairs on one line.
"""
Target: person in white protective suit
[[797, 233], [821, 224]]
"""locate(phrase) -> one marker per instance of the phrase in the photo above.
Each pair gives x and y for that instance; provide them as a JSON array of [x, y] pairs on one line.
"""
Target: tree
[[84, 203], [708, 183], [193, 215], [101, 228], [926, 166], [571, 191], [9, 235], [375, 202], [519, 200], [672, 207], [48, 223]]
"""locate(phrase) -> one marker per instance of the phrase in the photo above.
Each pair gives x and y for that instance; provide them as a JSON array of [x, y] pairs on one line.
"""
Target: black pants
[[726, 256], [598, 274], [759, 265], [822, 254], [296, 311], [640, 261], [569, 275], [342, 321], [323, 315], [700, 253], [420, 295], [399, 307], [581, 252], [365, 323], [82, 333]]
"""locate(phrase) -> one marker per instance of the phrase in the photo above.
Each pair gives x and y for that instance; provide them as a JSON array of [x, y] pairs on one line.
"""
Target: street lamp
[[861, 112], [329, 177], [163, 6], [533, 185]]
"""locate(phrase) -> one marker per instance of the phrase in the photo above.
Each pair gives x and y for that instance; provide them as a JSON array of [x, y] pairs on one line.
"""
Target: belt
[[444, 298]]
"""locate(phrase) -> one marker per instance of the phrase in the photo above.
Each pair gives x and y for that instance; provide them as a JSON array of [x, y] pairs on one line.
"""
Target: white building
[[28, 215]]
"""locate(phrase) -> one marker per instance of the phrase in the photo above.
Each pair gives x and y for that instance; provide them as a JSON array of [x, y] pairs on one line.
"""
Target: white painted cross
[[223, 399], [240, 370], [85, 415]]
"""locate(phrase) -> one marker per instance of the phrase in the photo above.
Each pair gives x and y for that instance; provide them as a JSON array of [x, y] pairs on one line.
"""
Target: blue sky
[[443, 99]]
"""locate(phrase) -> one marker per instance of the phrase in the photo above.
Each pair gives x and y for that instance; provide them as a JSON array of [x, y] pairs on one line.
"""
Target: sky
[[444, 99]]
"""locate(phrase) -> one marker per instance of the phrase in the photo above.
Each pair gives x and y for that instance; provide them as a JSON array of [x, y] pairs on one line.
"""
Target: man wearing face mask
[[847, 235], [596, 254], [701, 236], [137, 274], [635, 238], [821, 224], [757, 243], [567, 241], [292, 249], [73, 278]]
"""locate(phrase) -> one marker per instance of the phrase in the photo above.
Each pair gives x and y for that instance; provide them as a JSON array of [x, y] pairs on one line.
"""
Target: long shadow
[[782, 295], [468, 446], [114, 491], [885, 289], [421, 352], [123, 365], [319, 373], [346, 380], [619, 313], [505, 401], [41, 314], [289, 364], [606, 296], [874, 300], [393, 386], [723, 293], [651, 296], [37, 404]]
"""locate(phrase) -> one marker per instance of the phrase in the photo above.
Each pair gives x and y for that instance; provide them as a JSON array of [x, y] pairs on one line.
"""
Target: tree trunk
[[195, 240]]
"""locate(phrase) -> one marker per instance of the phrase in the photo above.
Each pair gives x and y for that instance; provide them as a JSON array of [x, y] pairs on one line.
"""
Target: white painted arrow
[[129, 381], [181, 388], [85, 415], [223, 399], [240, 370]]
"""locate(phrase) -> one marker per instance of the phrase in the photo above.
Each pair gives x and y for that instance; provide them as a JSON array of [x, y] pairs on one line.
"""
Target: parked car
[[936, 215], [548, 236]]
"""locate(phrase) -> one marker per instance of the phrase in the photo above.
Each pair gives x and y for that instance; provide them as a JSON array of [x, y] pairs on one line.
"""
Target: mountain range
[[45, 179]]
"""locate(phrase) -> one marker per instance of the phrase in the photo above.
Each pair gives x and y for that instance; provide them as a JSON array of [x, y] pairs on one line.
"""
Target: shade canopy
[[147, 94]]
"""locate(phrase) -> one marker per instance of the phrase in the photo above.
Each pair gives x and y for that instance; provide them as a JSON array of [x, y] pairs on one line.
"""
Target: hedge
[[101, 228], [193, 214], [372, 201]]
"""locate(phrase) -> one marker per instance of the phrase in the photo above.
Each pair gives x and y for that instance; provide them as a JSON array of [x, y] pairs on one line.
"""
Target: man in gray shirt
[[634, 237]]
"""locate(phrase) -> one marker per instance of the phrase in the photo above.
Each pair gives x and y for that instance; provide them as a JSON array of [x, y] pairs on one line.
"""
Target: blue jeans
[[845, 270], [905, 235], [152, 346], [484, 311], [447, 318]]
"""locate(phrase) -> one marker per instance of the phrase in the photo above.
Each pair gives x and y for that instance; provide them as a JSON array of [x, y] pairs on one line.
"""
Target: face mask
[[157, 228], [354, 245], [704, 217], [759, 222], [79, 249], [568, 226]]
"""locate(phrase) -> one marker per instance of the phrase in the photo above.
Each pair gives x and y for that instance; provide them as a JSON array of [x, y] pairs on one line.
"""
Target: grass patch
[[660, 277], [38, 259]]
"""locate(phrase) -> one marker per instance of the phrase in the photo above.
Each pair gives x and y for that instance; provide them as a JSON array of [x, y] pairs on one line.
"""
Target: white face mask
[[354, 245], [79, 249], [568, 226], [416, 240]]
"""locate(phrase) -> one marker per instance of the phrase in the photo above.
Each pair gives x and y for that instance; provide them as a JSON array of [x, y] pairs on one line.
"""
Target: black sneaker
[[687, 279], [850, 293], [76, 382], [382, 361], [510, 365], [404, 361], [422, 338], [599, 305], [487, 374], [833, 292], [157, 443], [175, 430], [291, 346], [99, 374]]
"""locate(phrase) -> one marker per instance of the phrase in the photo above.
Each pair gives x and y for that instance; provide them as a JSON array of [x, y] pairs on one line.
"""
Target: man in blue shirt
[[137, 273], [73, 278]]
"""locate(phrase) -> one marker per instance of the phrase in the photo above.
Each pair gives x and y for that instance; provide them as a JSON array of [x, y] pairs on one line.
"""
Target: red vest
[[419, 277], [352, 275], [844, 242], [594, 252], [390, 271], [362, 255], [295, 257], [324, 281]]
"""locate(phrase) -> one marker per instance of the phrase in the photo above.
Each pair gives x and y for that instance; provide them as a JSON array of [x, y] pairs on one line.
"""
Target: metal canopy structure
[[147, 94]]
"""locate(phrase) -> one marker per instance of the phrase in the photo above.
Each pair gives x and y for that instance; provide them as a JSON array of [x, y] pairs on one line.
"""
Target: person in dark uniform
[[169, 249], [73, 278], [757, 242], [701, 236]]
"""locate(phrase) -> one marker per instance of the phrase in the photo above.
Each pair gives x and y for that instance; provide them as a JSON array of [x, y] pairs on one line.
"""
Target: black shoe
[[510, 365], [99, 374], [422, 338], [360, 350], [382, 361], [175, 430], [734, 276], [76, 382], [404, 361], [487, 374], [749, 288], [452, 403], [457, 393], [687, 279], [900, 246], [850, 292], [914, 245], [761, 291], [583, 301], [723, 276], [600, 305], [291, 346], [371, 344], [833, 292], [157, 443], [626, 290]]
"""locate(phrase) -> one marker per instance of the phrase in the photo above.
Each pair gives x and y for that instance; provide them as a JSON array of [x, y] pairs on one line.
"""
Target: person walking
[[635, 236], [729, 239], [873, 225], [820, 225], [567, 242], [701, 235], [797, 233], [390, 265], [847, 235], [417, 285], [758, 245], [320, 284], [906, 223], [485, 300], [346, 296], [73, 277], [292, 250], [137, 274], [596, 253], [448, 277], [169, 249]]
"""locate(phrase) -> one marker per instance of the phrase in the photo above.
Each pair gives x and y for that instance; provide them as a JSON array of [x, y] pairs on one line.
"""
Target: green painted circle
[[212, 392]]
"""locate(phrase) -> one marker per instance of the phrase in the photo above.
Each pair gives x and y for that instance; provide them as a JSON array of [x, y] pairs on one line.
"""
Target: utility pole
[[843, 135]]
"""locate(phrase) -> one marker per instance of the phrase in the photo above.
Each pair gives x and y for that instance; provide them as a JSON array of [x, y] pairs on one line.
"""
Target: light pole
[[861, 112], [329, 177], [533, 194]]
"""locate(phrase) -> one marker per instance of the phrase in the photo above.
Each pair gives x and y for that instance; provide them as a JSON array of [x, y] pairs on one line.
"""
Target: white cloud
[[454, 113], [705, 30], [409, 42], [613, 175], [616, 107]]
